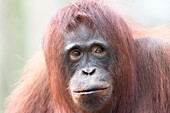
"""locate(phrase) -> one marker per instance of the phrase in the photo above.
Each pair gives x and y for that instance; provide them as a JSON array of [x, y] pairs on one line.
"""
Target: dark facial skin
[[88, 61]]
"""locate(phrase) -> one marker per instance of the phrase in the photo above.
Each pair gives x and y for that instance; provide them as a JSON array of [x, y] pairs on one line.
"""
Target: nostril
[[84, 72], [88, 71], [92, 72]]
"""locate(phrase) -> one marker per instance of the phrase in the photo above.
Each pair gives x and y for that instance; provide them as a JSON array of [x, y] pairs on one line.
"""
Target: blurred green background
[[22, 23]]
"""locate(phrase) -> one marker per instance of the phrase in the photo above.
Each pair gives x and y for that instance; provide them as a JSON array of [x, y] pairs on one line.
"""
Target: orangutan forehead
[[79, 21], [83, 32], [94, 15]]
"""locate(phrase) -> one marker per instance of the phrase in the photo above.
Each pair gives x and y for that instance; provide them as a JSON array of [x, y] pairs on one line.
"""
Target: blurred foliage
[[14, 44]]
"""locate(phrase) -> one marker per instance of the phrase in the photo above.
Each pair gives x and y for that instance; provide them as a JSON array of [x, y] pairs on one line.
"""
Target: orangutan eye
[[98, 51], [75, 54]]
